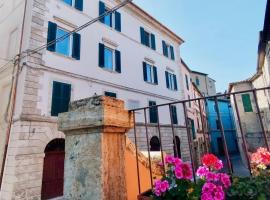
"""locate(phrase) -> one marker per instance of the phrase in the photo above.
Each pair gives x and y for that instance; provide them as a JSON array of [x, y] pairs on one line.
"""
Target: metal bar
[[203, 128], [242, 133], [148, 148], [189, 141], [136, 147], [173, 132], [159, 134], [260, 119], [223, 138], [208, 126]]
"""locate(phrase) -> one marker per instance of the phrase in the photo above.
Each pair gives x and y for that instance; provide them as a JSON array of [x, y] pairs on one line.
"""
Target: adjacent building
[[248, 111]]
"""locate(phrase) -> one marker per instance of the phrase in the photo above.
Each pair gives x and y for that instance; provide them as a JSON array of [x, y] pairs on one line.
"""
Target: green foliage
[[250, 188]]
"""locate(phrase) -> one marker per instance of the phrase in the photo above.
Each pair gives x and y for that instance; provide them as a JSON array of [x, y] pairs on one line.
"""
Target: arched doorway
[[53, 170], [177, 149], [154, 144]]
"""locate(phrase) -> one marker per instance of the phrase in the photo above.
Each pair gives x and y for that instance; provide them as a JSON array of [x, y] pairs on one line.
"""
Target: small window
[[197, 81], [110, 94], [187, 82], [148, 39], [78, 4], [60, 98], [109, 58], [168, 50], [150, 73], [153, 112], [247, 103], [63, 47], [171, 81]]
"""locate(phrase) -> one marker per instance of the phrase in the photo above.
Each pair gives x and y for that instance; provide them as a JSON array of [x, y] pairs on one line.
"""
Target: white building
[[128, 55]]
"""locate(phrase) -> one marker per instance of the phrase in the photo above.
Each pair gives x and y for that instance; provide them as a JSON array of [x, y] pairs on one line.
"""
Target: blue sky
[[221, 36]]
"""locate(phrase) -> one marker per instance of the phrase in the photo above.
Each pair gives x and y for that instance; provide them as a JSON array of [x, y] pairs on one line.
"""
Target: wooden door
[[53, 174]]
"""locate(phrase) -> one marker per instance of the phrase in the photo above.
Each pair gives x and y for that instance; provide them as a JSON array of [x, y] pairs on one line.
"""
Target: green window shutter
[[52, 28], [76, 49], [60, 98], [174, 114], [153, 112], [101, 10], [187, 82], [175, 82], [79, 5], [172, 52], [155, 75], [193, 129], [101, 55], [117, 61], [144, 71], [142, 35], [153, 42], [117, 21], [247, 103], [167, 79]]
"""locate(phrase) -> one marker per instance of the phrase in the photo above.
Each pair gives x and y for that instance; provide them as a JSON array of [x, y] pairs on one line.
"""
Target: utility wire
[[34, 51]]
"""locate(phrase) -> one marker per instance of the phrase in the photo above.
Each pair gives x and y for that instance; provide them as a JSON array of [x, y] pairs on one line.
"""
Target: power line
[[34, 51]]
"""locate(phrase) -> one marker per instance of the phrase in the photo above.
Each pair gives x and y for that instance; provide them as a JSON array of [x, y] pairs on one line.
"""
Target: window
[[70, 46], [153, 112], [168, 50], [148, 39], [150, 73], [110, 94], [171, 81], [197, 81], [60, 98], [187, 82], [109, 58], [112, 19], [247, 103], [174, 114], [192, 126], [78, 4]]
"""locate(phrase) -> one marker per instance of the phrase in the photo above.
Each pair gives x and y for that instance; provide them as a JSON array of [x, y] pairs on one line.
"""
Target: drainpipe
[[13, 95]]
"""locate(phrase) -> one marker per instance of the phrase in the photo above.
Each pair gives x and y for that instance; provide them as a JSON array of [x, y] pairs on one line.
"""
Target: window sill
[[150, 83], [63, 56], [110, 71]]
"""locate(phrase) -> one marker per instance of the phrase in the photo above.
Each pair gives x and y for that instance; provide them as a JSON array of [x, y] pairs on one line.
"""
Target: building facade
[[128, 55], [248, 110], [205, 84]]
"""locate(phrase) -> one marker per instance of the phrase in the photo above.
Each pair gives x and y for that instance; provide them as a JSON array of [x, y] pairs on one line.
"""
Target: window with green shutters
[[247, 103], [60, 98], [187, 82], [153, 112], [148, 39], [193, 128], [174, 114]]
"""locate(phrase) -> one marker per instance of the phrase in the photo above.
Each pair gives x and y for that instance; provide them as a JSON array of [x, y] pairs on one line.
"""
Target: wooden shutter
[[155, 75], [187, 82], [153, 41], [52, 28], [60, 98], [193, 129], [118, 21], [172, 52], [79, 5], [117, 61], [101, 10], [153, 112], [144, 71], [76, 49], [165, 49], [110, 94], [247, 103], [142, 35], [174, 114], [167, 79], [175, 82], [101, 55]]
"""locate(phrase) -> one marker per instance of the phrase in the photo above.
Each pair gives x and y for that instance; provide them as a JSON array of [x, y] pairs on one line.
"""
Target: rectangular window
[[168, 50], [192, 127], [60, 98], [70, 46], [187, 82], [153, 112], [78, 4], [174, 114], [112, 19], [148, 39], [171, 81], [110, 94], [63, 47], [197, 81], [109, 58], [150, 73], [247, 103]]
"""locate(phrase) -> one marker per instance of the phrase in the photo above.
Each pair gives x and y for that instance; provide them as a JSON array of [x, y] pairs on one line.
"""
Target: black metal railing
[[141, 116]]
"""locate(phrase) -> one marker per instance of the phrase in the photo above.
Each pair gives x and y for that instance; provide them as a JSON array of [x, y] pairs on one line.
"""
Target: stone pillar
[[95, 146]]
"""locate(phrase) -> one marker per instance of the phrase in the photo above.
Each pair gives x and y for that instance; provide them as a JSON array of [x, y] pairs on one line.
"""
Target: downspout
[[13, 96]]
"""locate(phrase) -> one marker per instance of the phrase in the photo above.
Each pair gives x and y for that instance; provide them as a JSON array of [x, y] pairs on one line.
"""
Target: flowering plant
[[260, 160], [215, 183], [176, 184]]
